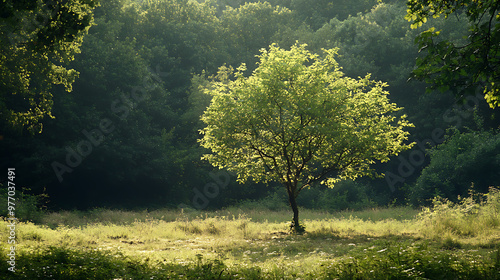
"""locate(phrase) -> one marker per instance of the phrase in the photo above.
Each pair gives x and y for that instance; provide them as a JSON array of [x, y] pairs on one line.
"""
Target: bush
[[464, 159], [27, 207], [471, 216], [276, 201], [345, 195]]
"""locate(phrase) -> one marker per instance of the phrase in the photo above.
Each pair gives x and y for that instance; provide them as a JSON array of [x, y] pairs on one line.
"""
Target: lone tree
[[298, 120]]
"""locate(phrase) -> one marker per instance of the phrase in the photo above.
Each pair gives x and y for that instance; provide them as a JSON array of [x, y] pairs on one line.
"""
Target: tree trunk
[[296, 227]]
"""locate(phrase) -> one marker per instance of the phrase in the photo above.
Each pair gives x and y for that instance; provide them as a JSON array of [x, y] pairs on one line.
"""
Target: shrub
[[27, 207], [464, 159], [345, 195], [471, 216], [276, 201]]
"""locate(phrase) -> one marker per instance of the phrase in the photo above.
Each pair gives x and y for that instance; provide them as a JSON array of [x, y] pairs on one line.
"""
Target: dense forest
[[126, 135]]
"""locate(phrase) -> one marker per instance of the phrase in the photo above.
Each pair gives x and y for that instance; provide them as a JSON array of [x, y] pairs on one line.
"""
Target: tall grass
[[377, 260], [474, 217], [121, 217], [253, 243]]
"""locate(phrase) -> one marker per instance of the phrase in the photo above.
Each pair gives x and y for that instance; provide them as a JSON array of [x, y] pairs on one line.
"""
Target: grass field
[[448, 241]]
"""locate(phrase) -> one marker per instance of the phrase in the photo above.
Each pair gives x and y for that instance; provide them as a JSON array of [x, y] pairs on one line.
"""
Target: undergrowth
[[475, 216], [377, 261], [445, 241]]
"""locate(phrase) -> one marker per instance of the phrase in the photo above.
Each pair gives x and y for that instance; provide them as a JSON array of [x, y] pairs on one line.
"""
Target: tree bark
[[295, 209]]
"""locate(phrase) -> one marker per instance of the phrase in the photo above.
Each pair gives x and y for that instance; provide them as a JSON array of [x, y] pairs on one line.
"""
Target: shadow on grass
[[322, 244], [400, 260]]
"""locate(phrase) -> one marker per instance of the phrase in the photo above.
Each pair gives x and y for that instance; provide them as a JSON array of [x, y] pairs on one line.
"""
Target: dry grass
[[253, 239], [240, 238]]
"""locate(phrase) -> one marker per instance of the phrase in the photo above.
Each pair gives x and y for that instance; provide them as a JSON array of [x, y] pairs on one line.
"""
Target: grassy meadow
[[446, 241]]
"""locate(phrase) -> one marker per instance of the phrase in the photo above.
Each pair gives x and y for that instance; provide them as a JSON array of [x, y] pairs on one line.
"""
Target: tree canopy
[[463, 67], [298, 120], [36, 38]]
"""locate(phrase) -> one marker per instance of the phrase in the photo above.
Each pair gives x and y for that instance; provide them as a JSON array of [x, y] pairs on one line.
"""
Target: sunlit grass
[[232, 234], [120, 217], [256, 241]]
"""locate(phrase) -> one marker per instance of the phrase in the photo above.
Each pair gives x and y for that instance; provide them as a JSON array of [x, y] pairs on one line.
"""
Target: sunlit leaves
[[35, 39], [464, 68], [298, 120]]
